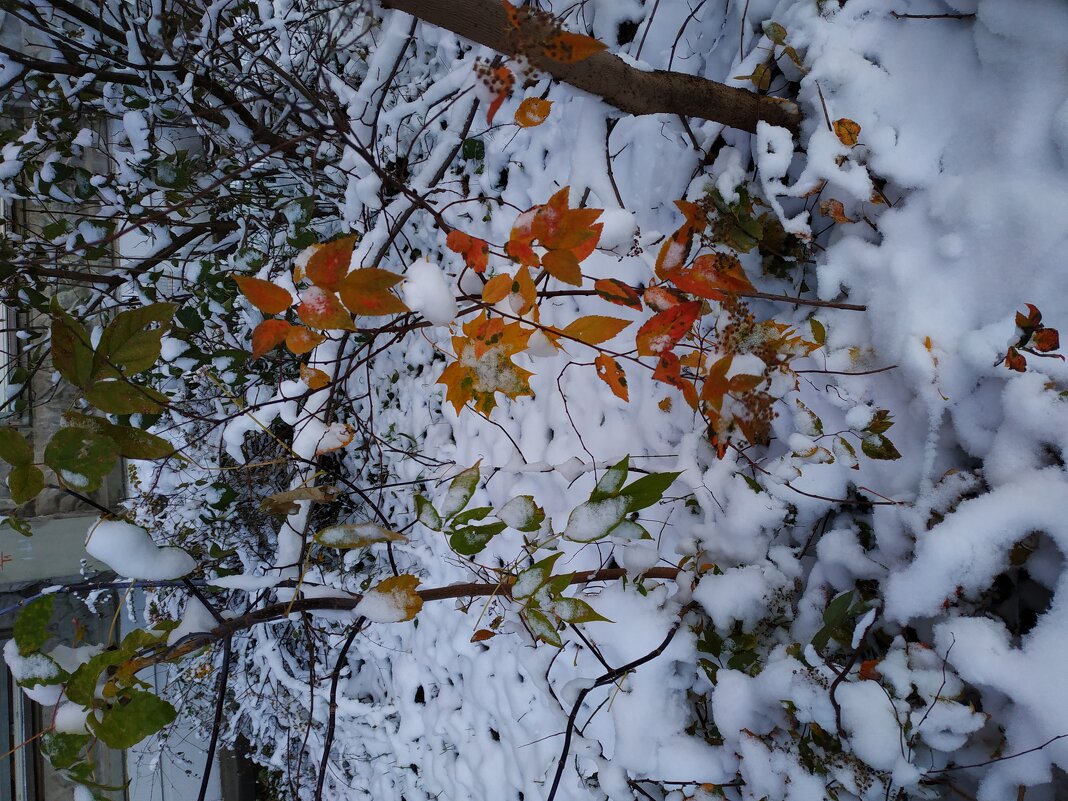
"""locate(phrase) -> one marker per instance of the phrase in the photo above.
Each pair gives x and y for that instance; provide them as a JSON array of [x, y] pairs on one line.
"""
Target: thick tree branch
[[606, 75]]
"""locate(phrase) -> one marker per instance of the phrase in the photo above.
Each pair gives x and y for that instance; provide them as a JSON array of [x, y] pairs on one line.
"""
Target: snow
[[428, 292], [129, 551]]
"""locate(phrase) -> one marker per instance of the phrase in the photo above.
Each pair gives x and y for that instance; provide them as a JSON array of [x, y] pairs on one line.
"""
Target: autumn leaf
[[835, 210], [394, 599], [532, 111], [336, 437], [500, 81], [713, 275], [366, 291], [617, 292], [609, 371], [321, 309], [661, 332], [482, 634], [669, 371], [676, 248], [315, 379], [716, 385], [562, 265], [594, 329], [301, 340], [1046, 339], [847, 131], [475, 251], [265, 296], [523, 288], [484, 366], [497, 288], [568, 48], [661, 298], [268, 335], [330, 262]]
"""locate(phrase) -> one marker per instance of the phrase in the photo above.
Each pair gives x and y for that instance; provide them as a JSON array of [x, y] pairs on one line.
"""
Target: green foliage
[[126, 724], [30, 631]]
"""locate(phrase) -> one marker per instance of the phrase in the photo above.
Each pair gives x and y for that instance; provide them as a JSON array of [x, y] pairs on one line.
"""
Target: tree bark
[[606, 75]]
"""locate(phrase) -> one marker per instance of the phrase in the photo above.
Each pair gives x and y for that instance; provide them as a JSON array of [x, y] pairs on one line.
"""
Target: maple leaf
[[484, 366], [301, 340], [609, 371], [330, 262], [524, 292], [569, 235], [661, 332], [268, 335], [562, 265], [711, 276], [366, 291], [532, 111], [264, 295], [321, 309], [475, 251], [716, 384]]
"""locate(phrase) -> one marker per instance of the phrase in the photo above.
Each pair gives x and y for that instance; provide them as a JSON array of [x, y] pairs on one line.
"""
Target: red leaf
[[661, 298], [712, 275], [669, 371], [475, 251], [617, 292], [268, 335], [1014, 361], [659, 334], [321, 309], [609, 371], [567, 48], [1045, 340]]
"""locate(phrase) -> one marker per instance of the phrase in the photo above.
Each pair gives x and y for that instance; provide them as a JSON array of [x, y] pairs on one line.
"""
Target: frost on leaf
[[532, 111], [484, 365], [356, 535]]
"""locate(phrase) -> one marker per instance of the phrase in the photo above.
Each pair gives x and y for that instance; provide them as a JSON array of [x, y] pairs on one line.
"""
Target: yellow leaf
[[484, 366], [315, 379], [532, 111], [847, 131], [562, 265], [301, 340], [393, 600], [497, 288], [595, 329]]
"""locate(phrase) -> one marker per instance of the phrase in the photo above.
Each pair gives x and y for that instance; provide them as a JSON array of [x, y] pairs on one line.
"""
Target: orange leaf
[[475, 251], [716, 384], [609, 371], [567, 48], [676, 248], [321, 309], [329, 263], [315, 379], [835, 210], [268, 335], [1014, 361], [482, 634], [1046, 339], [524, 287], [399, 595], [660, 333], [595, 329], [669, 372], [661, 298], [264, 295], [301, 340], [532, 111], [366, 291], [497, 288], [712, 275], [500, 82], [336, 437], [483, 364], [563, 265], [617, 292], [847, 131], [869, 670]]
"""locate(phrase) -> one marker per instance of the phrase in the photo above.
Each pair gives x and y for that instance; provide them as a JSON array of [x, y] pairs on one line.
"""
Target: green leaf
[[426, 514], [81, 686], [25, 482], [72, 353], [819, 332], [129, 344], [647, 490], [880, 422], [460, 491], [833, 616], [593, 520], [134, 443], [356, 535], [542, 627], [574, 610], [15, 449], [125, 725], [81, 458], [877, 446], [611, 481], [478, 513], [469, 540], [20, 526], [30, 631], [64, 750], [522, 514], [529, 581], [122, 397]]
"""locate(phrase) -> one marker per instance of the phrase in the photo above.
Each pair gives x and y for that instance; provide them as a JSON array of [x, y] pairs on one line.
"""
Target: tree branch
[[606, 75]]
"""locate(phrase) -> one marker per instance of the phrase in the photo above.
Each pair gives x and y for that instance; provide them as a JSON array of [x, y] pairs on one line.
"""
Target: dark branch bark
[[606, 75]]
